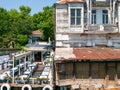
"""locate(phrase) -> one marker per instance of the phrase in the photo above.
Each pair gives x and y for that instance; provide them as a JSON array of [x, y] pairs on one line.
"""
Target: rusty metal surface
[[65, 1], [87, 53]]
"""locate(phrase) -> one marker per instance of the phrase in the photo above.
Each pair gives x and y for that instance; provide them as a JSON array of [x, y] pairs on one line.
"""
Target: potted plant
[[39, 80], [45, 80], [17, 79], [8, 78], [25, 79]]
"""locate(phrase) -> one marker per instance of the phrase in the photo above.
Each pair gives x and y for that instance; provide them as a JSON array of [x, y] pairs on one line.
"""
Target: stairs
[[38, 71]]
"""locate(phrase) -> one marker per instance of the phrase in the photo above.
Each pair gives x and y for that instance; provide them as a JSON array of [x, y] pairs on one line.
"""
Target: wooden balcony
[[101, 29]]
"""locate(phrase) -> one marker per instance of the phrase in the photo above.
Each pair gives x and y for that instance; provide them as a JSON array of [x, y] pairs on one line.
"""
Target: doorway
[[111, 70]]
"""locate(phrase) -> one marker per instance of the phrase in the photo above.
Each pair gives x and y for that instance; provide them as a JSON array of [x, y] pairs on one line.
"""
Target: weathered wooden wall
[[72, 36], [84, 70]]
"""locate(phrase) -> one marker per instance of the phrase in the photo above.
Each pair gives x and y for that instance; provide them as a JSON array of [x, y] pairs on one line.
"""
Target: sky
[[35, 5]]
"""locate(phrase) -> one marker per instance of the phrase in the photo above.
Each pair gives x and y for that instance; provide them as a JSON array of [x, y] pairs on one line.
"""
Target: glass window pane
[[106, 19], [105, 11], [72, 21], [78, 21], [93, 11], [103, 19], [72, 12], [94, 19], [78, 12]]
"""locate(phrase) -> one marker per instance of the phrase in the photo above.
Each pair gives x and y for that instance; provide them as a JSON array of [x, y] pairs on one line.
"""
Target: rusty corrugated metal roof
[[65, 1], [88, 54]]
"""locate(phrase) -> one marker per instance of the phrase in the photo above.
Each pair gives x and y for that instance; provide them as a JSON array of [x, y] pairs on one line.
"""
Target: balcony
[[103, 28], [101, 3]]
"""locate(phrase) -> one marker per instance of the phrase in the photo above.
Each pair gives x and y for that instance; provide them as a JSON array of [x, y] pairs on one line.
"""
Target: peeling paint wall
[[77, 36]]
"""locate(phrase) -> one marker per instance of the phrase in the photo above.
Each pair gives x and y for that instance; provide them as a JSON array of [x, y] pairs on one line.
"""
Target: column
[[33, 57], [25, 63], [41, 56], [19, 66], [119, 17], [13, 71], [82, 18]]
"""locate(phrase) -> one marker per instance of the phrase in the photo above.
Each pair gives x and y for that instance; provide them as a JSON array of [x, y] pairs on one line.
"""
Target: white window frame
[[93, 17], [75, 16], [105, 16]]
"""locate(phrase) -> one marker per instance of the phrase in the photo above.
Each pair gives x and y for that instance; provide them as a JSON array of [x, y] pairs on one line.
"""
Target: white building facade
[[81, 23]]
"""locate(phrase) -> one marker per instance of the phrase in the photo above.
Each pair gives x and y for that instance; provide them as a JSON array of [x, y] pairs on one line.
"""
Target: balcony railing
[[101, 29]]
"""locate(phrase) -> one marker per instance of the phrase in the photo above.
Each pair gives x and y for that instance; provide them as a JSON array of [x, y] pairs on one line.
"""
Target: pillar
[[33, 56], [119, 17], [41, 56], [19, 67], [25, 63]]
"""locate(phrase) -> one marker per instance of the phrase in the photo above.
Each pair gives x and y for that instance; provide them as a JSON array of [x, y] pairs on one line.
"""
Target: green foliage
[[44, 21], [16, 26], [4, 24], [25, 10], [22, 39]]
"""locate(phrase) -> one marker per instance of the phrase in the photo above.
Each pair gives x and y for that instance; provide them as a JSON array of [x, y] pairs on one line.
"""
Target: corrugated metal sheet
[[87, 54], [65, 1]]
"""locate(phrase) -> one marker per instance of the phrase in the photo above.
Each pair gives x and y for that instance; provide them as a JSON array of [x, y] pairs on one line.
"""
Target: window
[[93, 16], [75, 16], [105, 17]]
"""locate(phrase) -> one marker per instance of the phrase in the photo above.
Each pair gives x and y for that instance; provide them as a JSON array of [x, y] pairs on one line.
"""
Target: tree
[[25, 10], [22, 39], [4, 24], [16, 26], [44, 21]]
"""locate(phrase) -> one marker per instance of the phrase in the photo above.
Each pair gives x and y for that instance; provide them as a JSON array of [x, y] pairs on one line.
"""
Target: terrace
[[26, 71]]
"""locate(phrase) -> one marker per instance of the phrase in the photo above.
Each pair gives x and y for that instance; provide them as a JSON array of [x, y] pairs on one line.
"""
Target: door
[[111, 70]]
